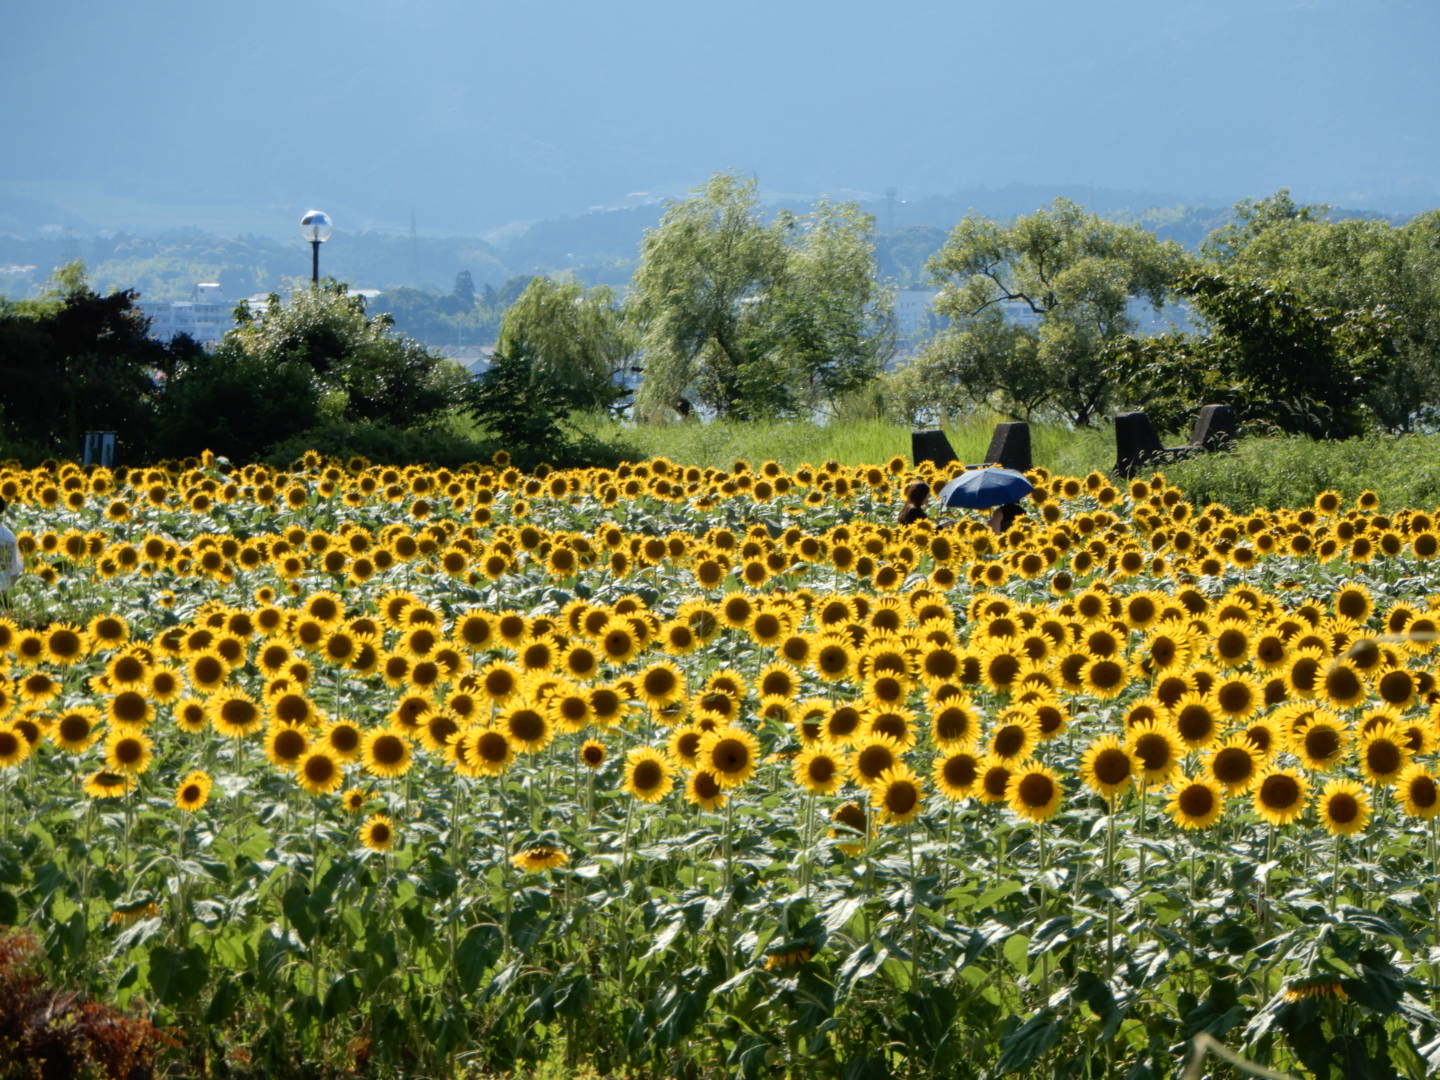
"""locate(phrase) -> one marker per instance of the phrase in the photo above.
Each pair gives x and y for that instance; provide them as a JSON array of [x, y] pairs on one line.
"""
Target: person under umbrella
[[917, 494]]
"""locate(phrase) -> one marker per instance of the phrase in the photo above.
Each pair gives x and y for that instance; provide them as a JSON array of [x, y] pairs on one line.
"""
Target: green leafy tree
[[1064, 281], [1277, 357], [515, 400], [576, 340], [751, 318], [1352, 265], [76, 361], [363, 370]]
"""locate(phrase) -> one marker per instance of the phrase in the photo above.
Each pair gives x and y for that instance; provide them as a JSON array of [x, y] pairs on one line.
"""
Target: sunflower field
[[666, 771]]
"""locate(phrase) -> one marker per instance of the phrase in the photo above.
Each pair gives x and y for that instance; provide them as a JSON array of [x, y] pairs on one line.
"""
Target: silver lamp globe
[[315, 226]]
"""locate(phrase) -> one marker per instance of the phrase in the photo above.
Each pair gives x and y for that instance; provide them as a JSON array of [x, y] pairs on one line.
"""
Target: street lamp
[[315, 227]]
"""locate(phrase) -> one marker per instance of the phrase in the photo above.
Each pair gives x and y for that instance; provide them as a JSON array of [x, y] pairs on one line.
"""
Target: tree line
[[1305, 323]]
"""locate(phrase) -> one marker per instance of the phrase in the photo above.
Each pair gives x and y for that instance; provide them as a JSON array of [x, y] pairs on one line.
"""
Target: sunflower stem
[[1334, 874]]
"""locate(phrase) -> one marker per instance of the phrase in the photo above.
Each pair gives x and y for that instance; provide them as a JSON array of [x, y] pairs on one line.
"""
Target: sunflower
[[1383, 753], [386, 753], [1194, 721], [1279, 795], [354, 800], [193, 791], [1107, 768], [897, 795], [319, 772], [873, 755], [1419, 792], [1014, 737], [538, 858], [125, 751], [660, 685], [1321, 743], [821, 769], [15, 748], [955, 725], [1344, 807], [956, 773], [1342, 685], [527, 728], [1033, 792], [592, 754], [853, 828], [207, 670], [1156, 748], [378, 832], [285, 745], [1195, 804], [484, 751], [234, 714], [1234, 764], [128, 668], [648, 775], [76, 729], [994, 779], [103, 784], [1396, 686], [730, 753], [703, 789]]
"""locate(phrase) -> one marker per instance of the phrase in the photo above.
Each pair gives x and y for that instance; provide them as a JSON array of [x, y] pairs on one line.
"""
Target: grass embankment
[[1271, 471]]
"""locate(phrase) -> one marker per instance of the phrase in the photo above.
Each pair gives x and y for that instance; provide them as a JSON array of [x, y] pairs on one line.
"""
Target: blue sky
[[474, 114]]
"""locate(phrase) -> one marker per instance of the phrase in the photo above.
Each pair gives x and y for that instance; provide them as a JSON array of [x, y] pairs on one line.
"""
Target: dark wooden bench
[[1138, 447]]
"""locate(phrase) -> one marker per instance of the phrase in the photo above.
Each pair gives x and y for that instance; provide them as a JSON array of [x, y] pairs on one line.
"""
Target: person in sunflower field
[[11, 565], [917, 494]]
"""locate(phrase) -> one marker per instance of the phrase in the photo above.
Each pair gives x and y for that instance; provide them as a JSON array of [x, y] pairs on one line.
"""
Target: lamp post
[[315, 227]]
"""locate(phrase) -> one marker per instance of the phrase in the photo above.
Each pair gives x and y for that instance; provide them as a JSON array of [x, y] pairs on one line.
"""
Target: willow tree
[[750, 318], [575, 338]]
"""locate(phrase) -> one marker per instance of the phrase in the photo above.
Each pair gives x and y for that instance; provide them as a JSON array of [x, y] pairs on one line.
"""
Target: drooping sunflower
[[1033, 792], [1195, 804], [1279, 795], [104, 783], [538, 858], [386, 753], [852, 828], [378, 833], [648, 776], [1344, 807], [897, 795]]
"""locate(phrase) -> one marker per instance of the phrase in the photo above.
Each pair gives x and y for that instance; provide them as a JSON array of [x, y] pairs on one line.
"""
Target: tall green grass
[[1271, 472]]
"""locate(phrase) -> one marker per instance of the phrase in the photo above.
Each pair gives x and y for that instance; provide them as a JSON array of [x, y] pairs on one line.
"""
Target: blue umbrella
[[982, 488]]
